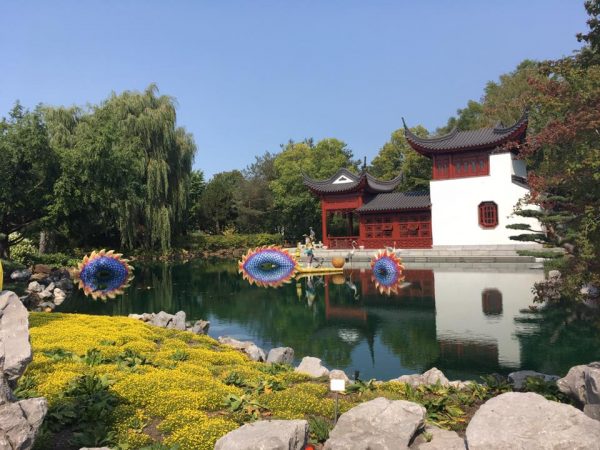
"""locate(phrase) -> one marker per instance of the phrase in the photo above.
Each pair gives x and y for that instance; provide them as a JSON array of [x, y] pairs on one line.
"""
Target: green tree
[[296, 208], [220, 200], [197, 185], [255, 206], [126, 170], [397, 157], [590, 53], [28, 169]]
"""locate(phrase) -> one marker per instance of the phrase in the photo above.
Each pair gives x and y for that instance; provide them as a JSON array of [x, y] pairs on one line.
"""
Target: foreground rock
[[172, 321], [380, 424], [19, 421], [582, 383], [434, 438], [432, 376], [254, 352], [312, 366], [517, 420], [518, 378], [281, 355], [266, 435], [20, 275]]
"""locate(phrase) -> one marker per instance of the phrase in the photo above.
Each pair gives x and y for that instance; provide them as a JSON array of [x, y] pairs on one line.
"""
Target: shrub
[[201, 241]]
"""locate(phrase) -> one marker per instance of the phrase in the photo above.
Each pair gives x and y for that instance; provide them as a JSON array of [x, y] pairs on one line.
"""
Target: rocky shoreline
[[510, 420]]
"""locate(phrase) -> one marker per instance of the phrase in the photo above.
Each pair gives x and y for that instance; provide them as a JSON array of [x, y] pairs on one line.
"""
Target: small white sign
[[337, 385]]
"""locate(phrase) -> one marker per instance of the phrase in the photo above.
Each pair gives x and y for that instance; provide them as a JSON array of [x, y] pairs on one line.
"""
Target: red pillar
[[325, 240]]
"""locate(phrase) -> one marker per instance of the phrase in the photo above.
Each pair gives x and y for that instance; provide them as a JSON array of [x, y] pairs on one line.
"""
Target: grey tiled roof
[[396, 201], [455, 141], [361, 180]]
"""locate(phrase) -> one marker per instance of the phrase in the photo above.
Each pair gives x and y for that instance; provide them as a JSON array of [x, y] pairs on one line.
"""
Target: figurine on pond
[[312, 235]]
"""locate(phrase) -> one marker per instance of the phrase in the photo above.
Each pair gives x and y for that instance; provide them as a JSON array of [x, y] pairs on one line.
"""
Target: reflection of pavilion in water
[[469, 316]]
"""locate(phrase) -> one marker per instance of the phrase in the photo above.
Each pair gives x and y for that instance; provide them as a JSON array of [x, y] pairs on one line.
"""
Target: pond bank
[[189, 390]]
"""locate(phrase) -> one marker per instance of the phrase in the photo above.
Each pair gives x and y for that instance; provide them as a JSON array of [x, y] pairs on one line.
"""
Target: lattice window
[[488, 215]]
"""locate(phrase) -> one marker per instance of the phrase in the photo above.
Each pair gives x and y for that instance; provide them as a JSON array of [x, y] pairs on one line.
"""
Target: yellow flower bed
[[176, 395]]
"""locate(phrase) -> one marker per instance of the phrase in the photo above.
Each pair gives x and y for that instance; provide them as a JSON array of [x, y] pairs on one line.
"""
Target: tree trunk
[[4, 247], [45, 245]]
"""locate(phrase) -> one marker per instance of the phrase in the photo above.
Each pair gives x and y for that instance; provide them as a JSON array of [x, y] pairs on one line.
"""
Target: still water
[[466, 321]]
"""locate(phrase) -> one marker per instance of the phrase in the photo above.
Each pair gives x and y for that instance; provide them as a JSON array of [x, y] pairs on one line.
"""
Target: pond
[[465, 320]]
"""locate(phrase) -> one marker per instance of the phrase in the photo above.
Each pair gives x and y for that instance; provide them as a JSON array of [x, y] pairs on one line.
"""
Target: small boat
[[319, 270]]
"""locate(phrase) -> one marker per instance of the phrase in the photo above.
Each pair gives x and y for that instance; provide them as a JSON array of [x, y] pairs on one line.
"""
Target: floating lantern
[[388, 272], [103, 274], [268, 266]]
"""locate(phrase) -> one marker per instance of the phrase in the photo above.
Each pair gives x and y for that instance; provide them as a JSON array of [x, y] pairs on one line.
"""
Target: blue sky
[[250, 75]]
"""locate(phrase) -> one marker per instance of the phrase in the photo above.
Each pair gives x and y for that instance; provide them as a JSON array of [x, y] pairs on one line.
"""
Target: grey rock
[[575, 383], [20, 422], [34, 286], [59, 296], [281, 355], [312, 366], [458, 384], [64, 284], [200, 327], [524, 420], [45, 294], [178, 321], [15, 349], [440, 440], [254, 352], [379, 424], [592, 411], [266, 435], [20, 275], [432, 376], [50, 287], [47, 305], [337, 374], [518, 378], [162, 319]]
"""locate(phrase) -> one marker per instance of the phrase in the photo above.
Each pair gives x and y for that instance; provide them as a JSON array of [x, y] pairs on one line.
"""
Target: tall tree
[[255, 212], [397, 157], [126, 169], [220, 199], [296, 207], [195, 218], [28, 169], [590, 53]]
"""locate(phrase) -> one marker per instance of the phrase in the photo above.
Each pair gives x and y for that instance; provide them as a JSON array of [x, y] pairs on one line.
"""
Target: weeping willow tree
[[148, 126], [126, 170]]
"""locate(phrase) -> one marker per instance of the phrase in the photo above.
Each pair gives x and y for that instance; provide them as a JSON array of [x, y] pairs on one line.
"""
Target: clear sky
[[250, 75]]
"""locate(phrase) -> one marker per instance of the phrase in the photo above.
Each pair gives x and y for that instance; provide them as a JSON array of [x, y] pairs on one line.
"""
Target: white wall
[[459, 313], [454, 205]]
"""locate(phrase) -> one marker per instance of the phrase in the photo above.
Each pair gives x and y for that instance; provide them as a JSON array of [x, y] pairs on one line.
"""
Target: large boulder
[[312, 366], [199, 327], [518, 378], [178, 321], [434, 438], [19, 421], [518, 420], [15, 349], [254, 352], [582, 383], [162, 319], [380, 424], [281, 355], [337, 374], [266, 435], [34, 286], [432, 376]]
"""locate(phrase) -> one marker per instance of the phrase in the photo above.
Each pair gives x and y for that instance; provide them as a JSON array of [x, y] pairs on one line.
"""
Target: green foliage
[[548, 389], [397, 157], [23, 251], [86, 407], [201, 241], [26, 388], [180, 355], [244, 404], [275, 368], [28, 170], [360, 387], [319, 429], [131, 359], [296, 208]]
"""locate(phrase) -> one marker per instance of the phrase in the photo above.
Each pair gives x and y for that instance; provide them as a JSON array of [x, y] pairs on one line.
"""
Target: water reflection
[[465, 321]]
